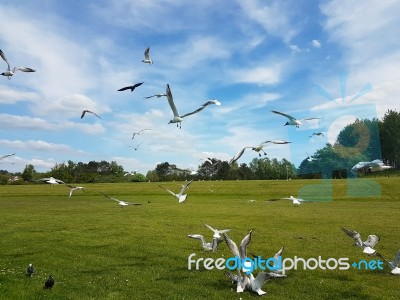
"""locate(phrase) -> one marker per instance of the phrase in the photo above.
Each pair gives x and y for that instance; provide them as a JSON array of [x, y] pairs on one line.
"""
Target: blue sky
[[337, 60]]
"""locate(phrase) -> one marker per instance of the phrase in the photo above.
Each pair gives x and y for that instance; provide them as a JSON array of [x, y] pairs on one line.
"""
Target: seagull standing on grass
[[10, 73], [30, 270], [177, 118], [368, 245], [120, 202], [74, 188], [89, 111], [131, 87], [206, 246], [394, 264], [181, 196], [292, 120], [147, 59]]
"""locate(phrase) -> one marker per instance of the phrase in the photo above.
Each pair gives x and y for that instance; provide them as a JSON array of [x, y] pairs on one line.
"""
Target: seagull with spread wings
[[52, 180], [368, 245], [74, 188], [139, 132], [181, 197], [156, 95], [292, 120], [207, 246], [131, 87], [89, 111], [179, 118], [9, 73], [147, 59], [7, 155], [120, 202], [295, 201], [256, 149]]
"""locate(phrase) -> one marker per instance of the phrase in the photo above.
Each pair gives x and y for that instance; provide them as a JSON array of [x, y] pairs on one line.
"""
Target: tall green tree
[[29, 173]]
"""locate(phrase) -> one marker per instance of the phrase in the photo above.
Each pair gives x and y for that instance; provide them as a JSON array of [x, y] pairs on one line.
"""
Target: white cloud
[[39, 146], [257, 75], [316, 43]]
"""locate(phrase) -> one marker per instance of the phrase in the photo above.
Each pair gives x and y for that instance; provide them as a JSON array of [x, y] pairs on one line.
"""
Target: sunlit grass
[[97, 250]]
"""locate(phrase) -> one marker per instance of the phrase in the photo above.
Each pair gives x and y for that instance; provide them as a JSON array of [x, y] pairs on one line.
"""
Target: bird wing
[[203, 106], [197, 237], [83, 113], [171, 192], [3, 56], [244, 243], [355, 235], [308, 119], [23, 69], [238, 155], [279, 253], [233, 277], [171, 101], [209, 227], [231, 245], [147, 53], [7, 155], [94, 114], [184, 188], [137, 84], [282, 114], [124, 88], [281, 142]]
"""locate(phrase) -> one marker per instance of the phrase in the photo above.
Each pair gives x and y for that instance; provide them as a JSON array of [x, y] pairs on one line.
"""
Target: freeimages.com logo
[[248, 265]]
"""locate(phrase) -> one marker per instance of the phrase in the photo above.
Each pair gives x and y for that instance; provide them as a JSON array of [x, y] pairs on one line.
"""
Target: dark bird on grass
[[88, 111], [368, 245], [49, 282], [131, 87], [30, 270], [9, 73], [7, 155]]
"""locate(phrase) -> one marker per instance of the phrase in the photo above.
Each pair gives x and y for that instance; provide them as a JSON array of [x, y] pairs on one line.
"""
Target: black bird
[[131, 87], [30, 270], [88, 111], [49, 282]]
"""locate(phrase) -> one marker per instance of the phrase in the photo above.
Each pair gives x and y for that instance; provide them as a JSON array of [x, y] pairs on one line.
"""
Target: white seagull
[[293, 120], [277, 256], [52, 180], [394, 264], [217, 232], [177, 118], [10, 73], [156, 95], [139, 132], [206, 246], [368, 245], [256, 149], [296, 201], [181, 196], [240, 252], [147, 59], [74, 188], [120, 202]]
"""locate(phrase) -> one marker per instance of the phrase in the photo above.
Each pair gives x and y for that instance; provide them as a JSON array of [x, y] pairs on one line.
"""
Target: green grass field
[[97, 250]]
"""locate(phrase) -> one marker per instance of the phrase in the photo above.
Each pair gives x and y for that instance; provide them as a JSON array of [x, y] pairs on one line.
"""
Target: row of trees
[[363, 140]]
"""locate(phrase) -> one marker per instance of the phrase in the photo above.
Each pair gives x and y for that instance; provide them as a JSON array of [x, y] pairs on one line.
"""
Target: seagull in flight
[[147, 59], [394, 264], [7, 155], [156, 95], [317, 134], [88, 111], [137, 147], [10, 73], [52, 180], [75, 188], [257, 149], [139, 132], [131, 87], [206, 246], [368, 245], [240, 252], [179, 118], [217, 232], [293, 120], [180, 196], [296, 201], [120, 202]]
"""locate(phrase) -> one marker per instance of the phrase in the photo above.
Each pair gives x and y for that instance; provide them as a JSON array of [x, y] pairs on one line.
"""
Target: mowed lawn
[[97, 250]]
